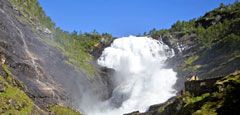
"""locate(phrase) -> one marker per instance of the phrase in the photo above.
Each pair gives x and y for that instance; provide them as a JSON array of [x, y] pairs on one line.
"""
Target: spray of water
[[140, 79]]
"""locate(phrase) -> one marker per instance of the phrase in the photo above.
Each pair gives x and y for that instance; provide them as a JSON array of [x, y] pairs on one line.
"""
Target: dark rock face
[[171, 107], [133, 113], [199, 87], [41, 67], [107, 74]]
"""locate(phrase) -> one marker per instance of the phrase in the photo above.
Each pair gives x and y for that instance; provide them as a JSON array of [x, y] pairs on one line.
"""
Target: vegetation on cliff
[[34, 12], [61, 110], [224, 100], [218, 26], [77, 46], [14, 101], [209, 45]]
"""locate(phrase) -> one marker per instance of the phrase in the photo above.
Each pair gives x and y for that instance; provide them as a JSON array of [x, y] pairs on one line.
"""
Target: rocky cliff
[[33, 63]]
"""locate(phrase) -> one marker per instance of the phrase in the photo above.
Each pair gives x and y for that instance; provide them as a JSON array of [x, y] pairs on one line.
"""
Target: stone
[[2, 88], [3, 59]]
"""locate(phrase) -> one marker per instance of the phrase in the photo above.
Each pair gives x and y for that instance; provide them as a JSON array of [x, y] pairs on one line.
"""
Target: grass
[[189, 65], [207, 109], [188, 99], [75, 53], [13, 101], [33, 12], [61, 110], [235, 77], [191, 59]]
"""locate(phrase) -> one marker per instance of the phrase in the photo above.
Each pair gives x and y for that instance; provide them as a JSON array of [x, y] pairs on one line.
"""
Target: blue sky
[[124, 17]]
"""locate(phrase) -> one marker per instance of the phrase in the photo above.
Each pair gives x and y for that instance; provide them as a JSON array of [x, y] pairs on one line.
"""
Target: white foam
[[141, 79]]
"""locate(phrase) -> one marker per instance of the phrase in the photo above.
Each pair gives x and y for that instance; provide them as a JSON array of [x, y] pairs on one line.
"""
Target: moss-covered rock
[[224, 100], [61, 110], [12, 99]]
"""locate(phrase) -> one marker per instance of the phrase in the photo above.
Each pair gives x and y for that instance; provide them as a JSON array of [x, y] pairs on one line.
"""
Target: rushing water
[[141, 79]]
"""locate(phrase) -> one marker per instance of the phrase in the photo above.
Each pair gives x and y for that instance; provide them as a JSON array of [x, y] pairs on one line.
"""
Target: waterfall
[[141, 79]]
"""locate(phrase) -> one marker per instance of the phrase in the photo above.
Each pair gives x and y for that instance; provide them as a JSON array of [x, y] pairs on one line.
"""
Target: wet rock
[[133, 113], [105, 77], [29, 58]]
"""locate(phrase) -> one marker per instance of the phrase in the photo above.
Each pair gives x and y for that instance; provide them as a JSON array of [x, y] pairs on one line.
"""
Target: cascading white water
[[140, 79]]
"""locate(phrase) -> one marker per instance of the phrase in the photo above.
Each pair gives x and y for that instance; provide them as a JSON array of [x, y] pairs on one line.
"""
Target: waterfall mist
[[140, 80]]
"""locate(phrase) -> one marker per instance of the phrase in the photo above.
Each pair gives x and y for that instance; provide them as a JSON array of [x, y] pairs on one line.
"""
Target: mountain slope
[[52, 65]]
